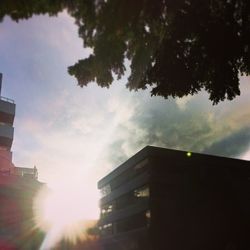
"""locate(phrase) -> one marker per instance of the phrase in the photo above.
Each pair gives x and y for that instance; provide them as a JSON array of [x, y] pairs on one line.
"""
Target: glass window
[[105, 190], [131, 198], [142, 192], [148, 217], [129, 174], [131, 223], [106, 209], [106, 229], [124, 201]]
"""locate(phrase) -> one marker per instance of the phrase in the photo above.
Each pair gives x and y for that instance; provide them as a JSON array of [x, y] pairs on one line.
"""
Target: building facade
[[18, 187], [167, 199], [7, 115]]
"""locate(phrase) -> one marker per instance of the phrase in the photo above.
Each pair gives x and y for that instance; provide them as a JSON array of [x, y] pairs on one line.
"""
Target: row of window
[[106, 229], [106, 209], [125, 200], [140, 220], [124, 177]]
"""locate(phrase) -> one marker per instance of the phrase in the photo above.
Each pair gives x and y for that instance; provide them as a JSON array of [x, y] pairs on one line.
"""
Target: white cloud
[[246, 155], [182, 102]]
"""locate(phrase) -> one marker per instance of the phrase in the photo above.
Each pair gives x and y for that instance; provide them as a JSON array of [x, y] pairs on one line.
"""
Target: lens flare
[[65, 212]]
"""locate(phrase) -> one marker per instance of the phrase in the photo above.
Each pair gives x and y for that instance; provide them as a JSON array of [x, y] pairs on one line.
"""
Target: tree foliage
[[177, 47]]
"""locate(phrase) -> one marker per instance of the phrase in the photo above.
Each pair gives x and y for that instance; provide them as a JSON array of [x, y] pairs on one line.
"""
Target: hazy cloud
[[193, 125], [233, 145]]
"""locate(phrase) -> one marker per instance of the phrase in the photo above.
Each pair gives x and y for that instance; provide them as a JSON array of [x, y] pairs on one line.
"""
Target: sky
[[77, 135]]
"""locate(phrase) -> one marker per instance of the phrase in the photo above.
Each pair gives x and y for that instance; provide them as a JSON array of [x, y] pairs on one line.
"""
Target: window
[[131, 198], [131, 223], [106, 209], [142, 192], [129, 174], [105, 190], [148, 217], [106, 229], [124, 201]]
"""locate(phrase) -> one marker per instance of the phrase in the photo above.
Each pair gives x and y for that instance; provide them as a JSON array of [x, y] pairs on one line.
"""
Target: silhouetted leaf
[[177, 47]]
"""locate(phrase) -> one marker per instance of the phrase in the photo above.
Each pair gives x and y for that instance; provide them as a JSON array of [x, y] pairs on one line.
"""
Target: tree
[[177, 47]]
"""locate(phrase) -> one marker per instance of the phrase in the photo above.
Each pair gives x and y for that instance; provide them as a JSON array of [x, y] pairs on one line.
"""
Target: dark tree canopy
[[177, 47]]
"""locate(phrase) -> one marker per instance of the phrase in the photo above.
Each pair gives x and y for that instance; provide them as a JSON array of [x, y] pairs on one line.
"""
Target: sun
[[65, 211]]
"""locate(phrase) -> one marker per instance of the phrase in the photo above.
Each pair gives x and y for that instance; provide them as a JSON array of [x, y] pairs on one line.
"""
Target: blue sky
[[77, 133]]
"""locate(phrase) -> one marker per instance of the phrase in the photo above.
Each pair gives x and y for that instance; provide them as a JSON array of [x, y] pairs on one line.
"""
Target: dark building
[[175, 200], [18, 187]]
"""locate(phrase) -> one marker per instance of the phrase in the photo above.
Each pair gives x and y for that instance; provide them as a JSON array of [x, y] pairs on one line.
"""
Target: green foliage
[[176, 47]]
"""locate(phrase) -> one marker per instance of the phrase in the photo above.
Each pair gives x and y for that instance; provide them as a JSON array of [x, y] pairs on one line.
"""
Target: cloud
[[233, 145], [246, 155], [192, 125], [70, 132], [182, 102]]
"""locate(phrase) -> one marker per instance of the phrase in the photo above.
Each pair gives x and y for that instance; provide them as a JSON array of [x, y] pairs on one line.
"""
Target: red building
[[18, 187]]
